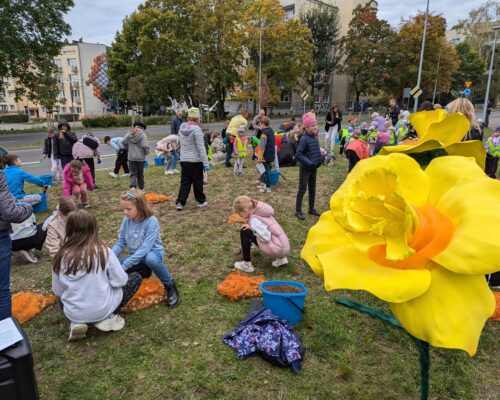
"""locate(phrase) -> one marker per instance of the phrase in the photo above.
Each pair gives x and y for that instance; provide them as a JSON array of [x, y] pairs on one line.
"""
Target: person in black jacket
[[9, 212], [310, 158], [48, 152], [286, 156], [332, 128], [176, 123], [394, 111], [63, 143], [267, 153]]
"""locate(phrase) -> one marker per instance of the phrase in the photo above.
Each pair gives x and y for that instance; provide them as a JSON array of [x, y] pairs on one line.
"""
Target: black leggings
[[247, 238], [130, 288], [352, 157], [32, 242]]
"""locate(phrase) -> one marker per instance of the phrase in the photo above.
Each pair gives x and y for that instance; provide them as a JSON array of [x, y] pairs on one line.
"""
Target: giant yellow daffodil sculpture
[[438, 130], [421, 240]]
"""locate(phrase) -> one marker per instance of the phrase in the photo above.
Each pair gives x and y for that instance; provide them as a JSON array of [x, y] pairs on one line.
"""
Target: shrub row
[[68, 117], [106, 121], [13, 118]]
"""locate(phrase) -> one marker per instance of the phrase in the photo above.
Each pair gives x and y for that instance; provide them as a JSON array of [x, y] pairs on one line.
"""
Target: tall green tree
[[471, 67], [370, 50], [31, 33], [323, 21]]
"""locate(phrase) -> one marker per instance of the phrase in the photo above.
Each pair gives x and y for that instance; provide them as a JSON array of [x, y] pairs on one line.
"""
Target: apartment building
[[75, 96]]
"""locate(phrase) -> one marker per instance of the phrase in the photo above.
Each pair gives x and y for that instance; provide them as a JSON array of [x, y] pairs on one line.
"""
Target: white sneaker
[[265, 190], [179, 207], [113, 175], [112, 323], [245, 266], [87, 205], [169, 172], [124, 175], [28, 255], [176, 171], [77, 331], [200, 205], [280, 261]]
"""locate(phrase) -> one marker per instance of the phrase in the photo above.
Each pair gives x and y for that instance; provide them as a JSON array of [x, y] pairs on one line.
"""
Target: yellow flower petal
[[448, 131], [473, 209], [451, 314], [325, 235], [418, 147], [470, 148], [347, 268], [445, 172], [422, 121]]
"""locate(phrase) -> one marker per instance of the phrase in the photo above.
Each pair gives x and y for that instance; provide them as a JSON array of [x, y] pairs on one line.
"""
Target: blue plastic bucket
[[42, 206], [159, 161], [146, 165], [274, 177], [289, 306]]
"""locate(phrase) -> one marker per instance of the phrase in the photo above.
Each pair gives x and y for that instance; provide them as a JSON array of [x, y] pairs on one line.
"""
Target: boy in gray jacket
[[137, 144], [194, 160]]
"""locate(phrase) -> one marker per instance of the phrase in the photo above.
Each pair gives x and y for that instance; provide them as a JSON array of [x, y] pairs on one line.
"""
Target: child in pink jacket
[[77, 181], [261, 229]]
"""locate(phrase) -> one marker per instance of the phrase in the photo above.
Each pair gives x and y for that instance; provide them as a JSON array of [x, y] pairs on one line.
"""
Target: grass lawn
[[179, 354]]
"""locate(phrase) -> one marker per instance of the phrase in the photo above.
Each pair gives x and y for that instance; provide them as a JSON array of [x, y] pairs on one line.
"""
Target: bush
[[13, 118], [68, 117], [101, 121], [157, 120], [124, 120]]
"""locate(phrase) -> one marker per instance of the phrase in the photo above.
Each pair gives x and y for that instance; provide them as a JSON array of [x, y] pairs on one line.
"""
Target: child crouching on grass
[[140, 235], [89, 280], [77, 181], [262, 230]]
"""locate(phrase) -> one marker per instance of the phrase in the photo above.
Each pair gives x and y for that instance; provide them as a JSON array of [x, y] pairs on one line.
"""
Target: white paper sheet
[[9, 334]]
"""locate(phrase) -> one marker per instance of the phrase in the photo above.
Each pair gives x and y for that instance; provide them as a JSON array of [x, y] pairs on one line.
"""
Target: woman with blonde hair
[[464, 106]]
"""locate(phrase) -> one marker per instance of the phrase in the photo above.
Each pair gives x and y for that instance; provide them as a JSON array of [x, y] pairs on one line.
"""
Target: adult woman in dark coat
[[332, 127], [63, 143]]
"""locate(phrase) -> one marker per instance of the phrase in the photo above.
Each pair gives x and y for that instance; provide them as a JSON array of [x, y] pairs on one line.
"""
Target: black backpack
[[89, 142]]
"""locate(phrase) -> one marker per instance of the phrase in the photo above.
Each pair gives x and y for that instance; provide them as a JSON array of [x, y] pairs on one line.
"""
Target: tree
[[286, 51], [32, 33], [323, 21], [370, 50], [437, 50], [471, 67]]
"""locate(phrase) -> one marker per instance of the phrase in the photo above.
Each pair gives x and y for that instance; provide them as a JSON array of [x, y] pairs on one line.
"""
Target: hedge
[[68, 117], [111, 120], [14, 118]]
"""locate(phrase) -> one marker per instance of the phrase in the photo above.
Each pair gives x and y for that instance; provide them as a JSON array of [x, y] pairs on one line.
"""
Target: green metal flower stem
[[423, 347]]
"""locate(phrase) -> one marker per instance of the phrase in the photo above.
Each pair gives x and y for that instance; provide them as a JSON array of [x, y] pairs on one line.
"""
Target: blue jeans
[[172, 161], [154, 260], [5, 258]]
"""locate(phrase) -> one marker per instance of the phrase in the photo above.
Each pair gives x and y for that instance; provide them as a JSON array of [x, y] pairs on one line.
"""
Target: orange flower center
[[431, 237]]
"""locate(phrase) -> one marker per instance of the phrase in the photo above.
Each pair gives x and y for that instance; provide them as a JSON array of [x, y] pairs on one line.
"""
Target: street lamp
[[261, 23], [415, 107], [486, 97]]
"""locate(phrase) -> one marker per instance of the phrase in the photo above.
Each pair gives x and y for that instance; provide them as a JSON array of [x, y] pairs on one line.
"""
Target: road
[[29, 145]]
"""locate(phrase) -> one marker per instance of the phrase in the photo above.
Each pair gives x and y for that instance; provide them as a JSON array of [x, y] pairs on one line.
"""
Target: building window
[[289, 12], [63, 110], [61, 94], [76, 94], [455, 41], [316, 98], [59, 78], [12, 107], [326, 99], [285, 97], [72, 62], [79, 110], [58, 63], [73, 78], [3, 107]]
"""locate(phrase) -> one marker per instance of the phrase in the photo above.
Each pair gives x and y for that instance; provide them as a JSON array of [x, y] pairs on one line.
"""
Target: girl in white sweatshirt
[[89, 279]]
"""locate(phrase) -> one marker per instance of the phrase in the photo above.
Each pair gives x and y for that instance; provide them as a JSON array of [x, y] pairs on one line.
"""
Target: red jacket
[[359, 147], [69, 181]]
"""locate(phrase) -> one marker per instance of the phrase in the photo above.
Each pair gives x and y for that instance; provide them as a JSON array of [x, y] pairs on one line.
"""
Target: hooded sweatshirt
[[137, 145], [91, 297], [278, 245], [192, 143]]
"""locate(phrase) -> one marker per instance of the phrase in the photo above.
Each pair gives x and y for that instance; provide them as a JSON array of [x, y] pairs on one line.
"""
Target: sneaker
[[112, 323], [201, 205], [265, 190], [245, 266], [280, 261], [96, 187], [314, 212], [114, 175], [77, 331], [176, 171], [179, 207], [28, 256], [300, 216], [86, 205], [169, 172], [124, 175]]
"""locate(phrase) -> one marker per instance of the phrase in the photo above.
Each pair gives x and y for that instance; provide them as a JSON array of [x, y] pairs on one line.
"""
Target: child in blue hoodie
[[16, 177], [140, 235]]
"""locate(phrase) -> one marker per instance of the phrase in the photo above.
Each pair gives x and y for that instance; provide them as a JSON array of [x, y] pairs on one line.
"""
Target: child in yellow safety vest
[[493, 153], [240, 147]]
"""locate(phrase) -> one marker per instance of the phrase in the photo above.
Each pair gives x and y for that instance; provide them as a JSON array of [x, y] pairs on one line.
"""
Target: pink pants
[[80, 190]]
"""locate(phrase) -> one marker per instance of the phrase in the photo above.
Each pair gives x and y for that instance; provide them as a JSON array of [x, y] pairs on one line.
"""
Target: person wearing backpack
[[85, 150]]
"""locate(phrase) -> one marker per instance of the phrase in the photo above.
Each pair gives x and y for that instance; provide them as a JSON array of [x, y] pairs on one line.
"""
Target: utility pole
[[486, 97], [261, 22], [437, 75], [419, 79]]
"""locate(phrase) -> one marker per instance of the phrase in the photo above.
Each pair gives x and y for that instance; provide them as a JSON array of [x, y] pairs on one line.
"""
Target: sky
[[98, 21]]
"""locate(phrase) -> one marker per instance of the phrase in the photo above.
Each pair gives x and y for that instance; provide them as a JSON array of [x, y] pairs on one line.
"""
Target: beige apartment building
[[75, 96]]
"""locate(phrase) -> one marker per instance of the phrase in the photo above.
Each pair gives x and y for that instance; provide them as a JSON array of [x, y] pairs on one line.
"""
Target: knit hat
[[497, 129], [194, 112], [308, 120], [241, 129]]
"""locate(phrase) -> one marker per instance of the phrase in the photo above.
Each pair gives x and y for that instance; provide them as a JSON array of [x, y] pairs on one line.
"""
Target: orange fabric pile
[[150, 293], [26, 305], [236, 218], [239, 285], [155, 198], [496, 314]]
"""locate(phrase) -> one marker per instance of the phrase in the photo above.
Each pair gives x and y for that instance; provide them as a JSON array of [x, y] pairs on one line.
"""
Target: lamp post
[[415, 107], [486, 97], [261, 22]]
